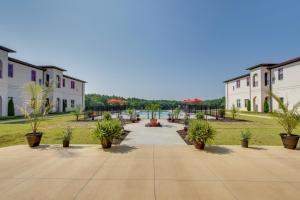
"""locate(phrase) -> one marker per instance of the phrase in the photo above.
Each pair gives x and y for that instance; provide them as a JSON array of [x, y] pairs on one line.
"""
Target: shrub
[[266, 106], [249, 105], [11, 108], [199, 116], [200, 131], [222, 112], [106, 116], [77, 112], [176, 113], [67, 134], [246, 135], [234, 112], [108, 129]]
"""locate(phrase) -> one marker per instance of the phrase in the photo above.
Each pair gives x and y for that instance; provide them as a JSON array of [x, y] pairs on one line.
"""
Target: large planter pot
[[199, 145], [244, 143], [66, 143], [106, 143], [289, 141], [34, 139]]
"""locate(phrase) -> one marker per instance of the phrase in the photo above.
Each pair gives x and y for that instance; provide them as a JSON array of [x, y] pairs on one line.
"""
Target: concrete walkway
[[149, 172], [153, 135]]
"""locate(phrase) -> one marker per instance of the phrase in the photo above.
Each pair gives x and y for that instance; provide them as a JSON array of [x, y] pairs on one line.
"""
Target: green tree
[[11, 108], [249, 105], [266, 106]]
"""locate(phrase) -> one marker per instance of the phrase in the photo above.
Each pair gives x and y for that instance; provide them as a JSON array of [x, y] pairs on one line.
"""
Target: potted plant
[[199, 116], [106, 116], [245, 137], [131, 113], [288, 119], [67, 136], [153, 107], [35, 110], [200, 132], [107, 130]]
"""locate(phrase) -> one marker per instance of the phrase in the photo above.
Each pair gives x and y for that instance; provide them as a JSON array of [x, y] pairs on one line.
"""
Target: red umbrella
[[193, 100], [116, 101]]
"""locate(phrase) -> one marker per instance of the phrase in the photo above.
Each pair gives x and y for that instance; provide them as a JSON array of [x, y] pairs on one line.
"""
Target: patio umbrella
[[195, 100], [118, 101]]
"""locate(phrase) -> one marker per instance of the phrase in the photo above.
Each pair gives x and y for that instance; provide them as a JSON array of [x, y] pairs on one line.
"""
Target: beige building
[[283, 79], [68, 91]]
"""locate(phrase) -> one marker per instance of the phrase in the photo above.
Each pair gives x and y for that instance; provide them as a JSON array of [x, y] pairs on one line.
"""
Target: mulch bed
[[118, 141], [182, 133]]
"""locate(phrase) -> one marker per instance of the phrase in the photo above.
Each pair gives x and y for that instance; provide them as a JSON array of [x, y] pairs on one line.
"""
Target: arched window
[[255, 80], [58, 81], [1, 69]]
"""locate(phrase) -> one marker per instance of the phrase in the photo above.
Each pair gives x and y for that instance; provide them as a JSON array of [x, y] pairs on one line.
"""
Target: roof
[[238, 77], [53, 67], [286, 62], [7, 49], [76, 79], [23, 63], [262, 65]]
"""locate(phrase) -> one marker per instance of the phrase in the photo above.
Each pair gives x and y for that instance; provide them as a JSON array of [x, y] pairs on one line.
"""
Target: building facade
[[68, 91], [283, 79]]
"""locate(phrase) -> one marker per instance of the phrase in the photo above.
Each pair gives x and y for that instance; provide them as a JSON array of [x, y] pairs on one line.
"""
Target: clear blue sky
[[152, 49]]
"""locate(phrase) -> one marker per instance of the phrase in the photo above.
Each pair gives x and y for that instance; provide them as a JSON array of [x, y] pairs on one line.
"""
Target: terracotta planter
[[244, 143], [106, 143], [66, 143], [289, 141], [199, 145], [34, 139]]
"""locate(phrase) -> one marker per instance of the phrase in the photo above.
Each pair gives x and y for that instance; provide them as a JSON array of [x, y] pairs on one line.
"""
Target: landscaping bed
[[123, 136], [182, 133]]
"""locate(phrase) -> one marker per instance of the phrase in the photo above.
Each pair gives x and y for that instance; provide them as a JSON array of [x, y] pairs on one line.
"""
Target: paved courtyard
[[149, 172], [153, 135]]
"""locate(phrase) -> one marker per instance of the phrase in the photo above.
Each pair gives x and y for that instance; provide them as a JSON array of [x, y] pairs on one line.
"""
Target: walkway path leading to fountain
[[153, 135]]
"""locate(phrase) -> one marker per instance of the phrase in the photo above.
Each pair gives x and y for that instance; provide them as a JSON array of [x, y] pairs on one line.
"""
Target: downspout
[[270, 85]]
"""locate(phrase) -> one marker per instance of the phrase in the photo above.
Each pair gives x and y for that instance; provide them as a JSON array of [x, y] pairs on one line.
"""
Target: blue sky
[[166, 49]]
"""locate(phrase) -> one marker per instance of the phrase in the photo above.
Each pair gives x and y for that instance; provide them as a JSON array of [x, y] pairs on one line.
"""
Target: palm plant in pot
[[108, 130], [153, 108], [67, 136], [200, 132], [77, 112], [289, 120], [35, 110], [245, 137]]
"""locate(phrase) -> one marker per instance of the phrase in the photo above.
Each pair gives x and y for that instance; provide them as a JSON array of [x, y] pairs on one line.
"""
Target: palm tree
[[153, 107]]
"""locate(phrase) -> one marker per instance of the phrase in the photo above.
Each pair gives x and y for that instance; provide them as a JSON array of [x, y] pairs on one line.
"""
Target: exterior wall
[[15, 87], [233, 93], [289, 87], [3, 83]]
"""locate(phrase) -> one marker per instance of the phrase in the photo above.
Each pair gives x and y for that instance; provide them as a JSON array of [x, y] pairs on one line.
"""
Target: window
[[238, 84], [72, 103], [10, 71], [58, 81], [72, 84], [238, 103], [33, 75], [280, 74], [1, 69], [47, 80], [266, 79], [64, 82], [255, 82], [248, 81]]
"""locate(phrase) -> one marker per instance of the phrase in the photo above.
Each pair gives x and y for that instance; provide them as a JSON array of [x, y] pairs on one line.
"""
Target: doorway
[[65, 105]]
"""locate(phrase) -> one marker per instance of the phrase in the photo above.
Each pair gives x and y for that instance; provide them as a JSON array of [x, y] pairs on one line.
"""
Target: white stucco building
[[283, 79], [68, 92]]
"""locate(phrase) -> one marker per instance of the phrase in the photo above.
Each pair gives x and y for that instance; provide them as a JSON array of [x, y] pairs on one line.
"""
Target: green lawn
[[264, 131], [13, 133]]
